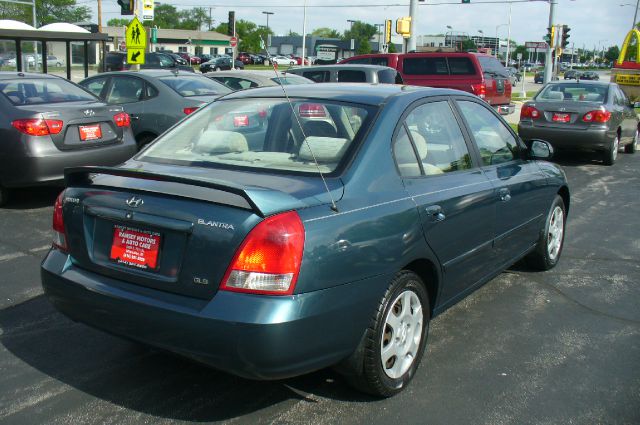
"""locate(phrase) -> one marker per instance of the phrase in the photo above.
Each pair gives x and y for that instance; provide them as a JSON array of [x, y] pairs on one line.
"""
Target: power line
[[342, 5]]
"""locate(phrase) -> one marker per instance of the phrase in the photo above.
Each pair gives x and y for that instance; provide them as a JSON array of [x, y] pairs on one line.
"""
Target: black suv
[[117, 61]]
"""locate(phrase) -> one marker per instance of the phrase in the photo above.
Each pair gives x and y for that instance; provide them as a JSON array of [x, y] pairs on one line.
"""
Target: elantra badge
[[89, 112]]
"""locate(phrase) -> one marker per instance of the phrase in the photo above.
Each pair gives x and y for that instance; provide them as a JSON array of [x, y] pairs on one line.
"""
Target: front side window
[[125, 90], [264, 134], [437, 137], [496, 143], [95, 85], [351, 76]]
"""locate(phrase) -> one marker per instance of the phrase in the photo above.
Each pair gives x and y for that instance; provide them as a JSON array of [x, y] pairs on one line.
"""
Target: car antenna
[[334, 207]]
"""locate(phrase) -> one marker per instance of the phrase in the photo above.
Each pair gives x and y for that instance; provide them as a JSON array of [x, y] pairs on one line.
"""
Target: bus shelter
[[19, 36]]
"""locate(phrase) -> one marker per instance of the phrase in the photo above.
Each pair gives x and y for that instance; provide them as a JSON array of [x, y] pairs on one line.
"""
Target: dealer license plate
[[135, 248], [561, 117], [90, 132]]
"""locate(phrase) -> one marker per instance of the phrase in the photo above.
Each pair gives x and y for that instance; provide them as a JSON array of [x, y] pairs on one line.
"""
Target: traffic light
[[403, 26], [565, 36], [231, 26], [126, 7], [550, 37], [387, 31]]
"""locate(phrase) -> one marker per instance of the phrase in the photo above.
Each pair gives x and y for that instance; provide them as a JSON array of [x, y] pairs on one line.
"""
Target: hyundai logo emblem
[[89, 112], [134, 202]]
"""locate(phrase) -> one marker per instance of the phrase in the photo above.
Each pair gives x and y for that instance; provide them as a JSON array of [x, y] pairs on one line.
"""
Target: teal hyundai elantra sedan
[[270, 235]]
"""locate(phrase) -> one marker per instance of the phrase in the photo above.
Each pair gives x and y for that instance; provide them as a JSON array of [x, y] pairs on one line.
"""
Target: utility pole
[[548, 60], [509, 39], [304, 32], [99, 15], [210, 21], [635, 15], [413, 13]]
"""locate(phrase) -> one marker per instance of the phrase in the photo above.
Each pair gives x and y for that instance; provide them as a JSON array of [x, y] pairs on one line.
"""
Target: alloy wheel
[[556, 231], [401, 334]]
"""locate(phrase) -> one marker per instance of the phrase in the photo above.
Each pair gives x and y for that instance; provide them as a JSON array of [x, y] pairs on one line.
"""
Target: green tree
[[118, 22], [612, 53], [468, 44], [249, 34], [194, 19], [360, 31], [325, 32], [293, 34], [47, 12], [392, 48], [165, 16], [364, 47]]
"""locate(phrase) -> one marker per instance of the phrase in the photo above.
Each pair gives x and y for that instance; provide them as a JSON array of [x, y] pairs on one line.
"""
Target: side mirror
[[635, 104], [540, 149]]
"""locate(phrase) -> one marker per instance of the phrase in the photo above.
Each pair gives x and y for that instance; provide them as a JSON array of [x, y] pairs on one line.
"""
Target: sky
[[593, 23]]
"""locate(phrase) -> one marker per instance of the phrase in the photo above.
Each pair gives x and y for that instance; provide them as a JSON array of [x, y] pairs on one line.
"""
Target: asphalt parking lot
[[560, 347]]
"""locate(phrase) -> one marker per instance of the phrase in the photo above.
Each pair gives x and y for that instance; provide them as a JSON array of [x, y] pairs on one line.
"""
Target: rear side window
[[30, 91], [425, 66], [461, 66], [351, 76], [194, 86], [317, 76], [95, 86], [125, 90]]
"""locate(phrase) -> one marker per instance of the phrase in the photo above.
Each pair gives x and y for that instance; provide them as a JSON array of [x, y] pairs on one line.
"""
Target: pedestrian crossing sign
[[135, 56], [136, 35]]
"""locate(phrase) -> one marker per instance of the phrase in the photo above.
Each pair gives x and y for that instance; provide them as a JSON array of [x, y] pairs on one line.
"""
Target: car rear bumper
[[43, 163], [568, 138], [256, 337], [505, 109]]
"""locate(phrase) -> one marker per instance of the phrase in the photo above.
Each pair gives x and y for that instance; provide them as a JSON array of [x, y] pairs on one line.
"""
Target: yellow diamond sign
[[136, 35]]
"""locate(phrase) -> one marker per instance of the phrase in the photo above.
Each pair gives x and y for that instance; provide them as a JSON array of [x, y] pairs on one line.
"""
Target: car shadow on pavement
[[572, 159], [32, 197], [144, 380]]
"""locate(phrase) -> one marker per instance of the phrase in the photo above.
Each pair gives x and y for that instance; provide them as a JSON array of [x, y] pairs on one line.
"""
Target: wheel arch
[[566, 198], [428, 272]]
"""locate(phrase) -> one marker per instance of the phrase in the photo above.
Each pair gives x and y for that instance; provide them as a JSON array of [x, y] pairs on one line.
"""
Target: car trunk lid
[[565, 113], [172, 228]]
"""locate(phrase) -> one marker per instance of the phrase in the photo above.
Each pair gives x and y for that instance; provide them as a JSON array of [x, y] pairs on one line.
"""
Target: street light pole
[[548, 60], [498, 40], [635, 15], [379, 37], [304, 32], [509, 38], [267, 13], [413, 13]]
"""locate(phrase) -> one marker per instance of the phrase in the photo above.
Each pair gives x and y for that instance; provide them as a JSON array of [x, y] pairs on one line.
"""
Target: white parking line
[[40, 248], [11, 256]]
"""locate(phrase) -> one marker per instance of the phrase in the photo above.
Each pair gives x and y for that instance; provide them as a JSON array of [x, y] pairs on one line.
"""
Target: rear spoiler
[[262, 201]]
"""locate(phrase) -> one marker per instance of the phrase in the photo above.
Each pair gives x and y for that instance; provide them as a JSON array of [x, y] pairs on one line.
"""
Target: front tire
[[633, 146], [551, 239], [393, 345], [610, 154]]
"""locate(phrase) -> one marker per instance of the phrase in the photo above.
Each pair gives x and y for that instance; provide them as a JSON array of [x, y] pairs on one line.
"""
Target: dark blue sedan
[[270, 239]]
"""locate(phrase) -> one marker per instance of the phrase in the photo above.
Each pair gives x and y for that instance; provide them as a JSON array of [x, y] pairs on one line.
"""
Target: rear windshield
[[32, 91], [264, 134], [573, 92], [291, 79], [194, 86], [389, 76], [491, 65]]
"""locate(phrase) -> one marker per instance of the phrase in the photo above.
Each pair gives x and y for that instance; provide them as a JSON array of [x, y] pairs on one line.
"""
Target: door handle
[[435, 212], [505, 194]]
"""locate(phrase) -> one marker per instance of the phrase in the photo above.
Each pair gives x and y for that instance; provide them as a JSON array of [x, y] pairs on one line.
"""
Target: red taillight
[[38, 126], [529, 112], [241, 121], [122, 119], [268, 261], [190, 110], [59, 233], [598, 116], [262, 113], [479, 90], [311, 110]]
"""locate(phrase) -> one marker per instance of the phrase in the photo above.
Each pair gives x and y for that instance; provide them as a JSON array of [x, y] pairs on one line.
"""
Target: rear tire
[[551, 239], [145, 140], [610, 154], [390, 352], [217, 68], [633, 146]]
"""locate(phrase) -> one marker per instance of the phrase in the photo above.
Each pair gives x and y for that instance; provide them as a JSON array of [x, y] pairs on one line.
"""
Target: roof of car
[[9, 75], [342, 66], [372, 94], [153, 73], [586, 82]]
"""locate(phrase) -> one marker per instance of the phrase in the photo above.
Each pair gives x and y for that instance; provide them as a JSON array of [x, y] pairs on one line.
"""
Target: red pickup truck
[[480, 74]]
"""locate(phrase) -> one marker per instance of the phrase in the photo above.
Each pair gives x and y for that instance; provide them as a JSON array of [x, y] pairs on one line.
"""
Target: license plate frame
[[90, 132], [135, 248], [561, 117]]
